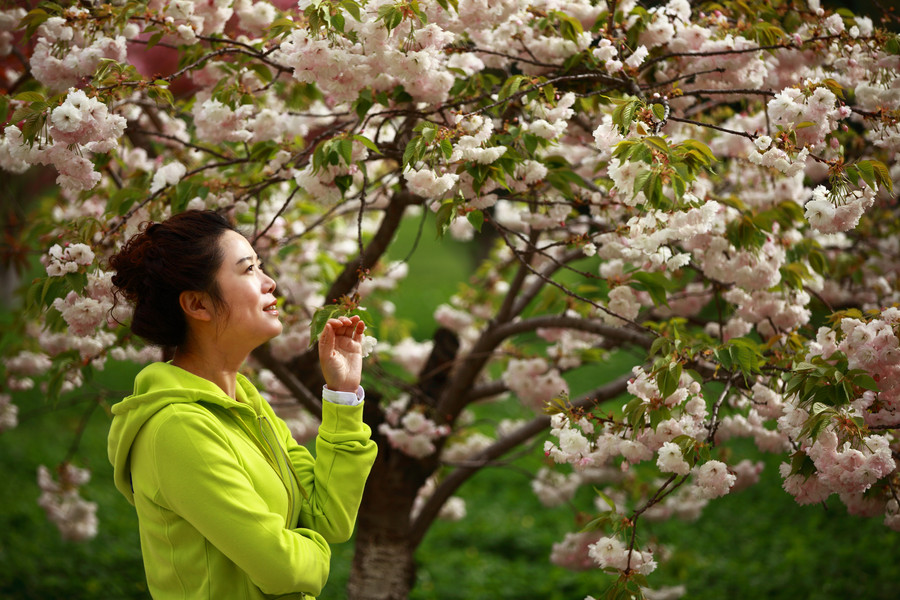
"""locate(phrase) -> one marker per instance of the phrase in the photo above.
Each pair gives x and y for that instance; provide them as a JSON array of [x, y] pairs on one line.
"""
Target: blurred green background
[[757, 543]]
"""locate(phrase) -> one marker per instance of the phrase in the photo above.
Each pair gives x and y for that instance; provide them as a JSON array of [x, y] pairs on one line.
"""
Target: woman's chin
[[276, 331]]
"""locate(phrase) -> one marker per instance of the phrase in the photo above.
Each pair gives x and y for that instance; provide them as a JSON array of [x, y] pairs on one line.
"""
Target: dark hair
[[164, 259]]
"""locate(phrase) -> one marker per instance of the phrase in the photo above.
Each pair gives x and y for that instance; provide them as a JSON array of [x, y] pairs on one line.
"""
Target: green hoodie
[[229, 505]]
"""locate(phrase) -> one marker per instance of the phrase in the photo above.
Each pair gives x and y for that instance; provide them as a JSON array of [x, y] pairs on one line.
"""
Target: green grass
[[34, 561], [753, 544]]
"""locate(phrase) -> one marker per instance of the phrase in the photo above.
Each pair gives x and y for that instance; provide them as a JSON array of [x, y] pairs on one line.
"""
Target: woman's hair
[[164, 259]]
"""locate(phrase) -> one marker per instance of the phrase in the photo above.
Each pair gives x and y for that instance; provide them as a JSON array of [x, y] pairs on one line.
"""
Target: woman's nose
[[268, 284]]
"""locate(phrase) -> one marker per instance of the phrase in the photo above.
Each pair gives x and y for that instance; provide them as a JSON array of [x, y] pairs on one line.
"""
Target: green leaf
[[866, 382], [892, 46], [640, 181], [628, 114], [367, 143], [363, 103], [346, 150], [687, 445], [511, 86], [700, 147], [476, 218], [262, 151], [446, 148], [680, 187], [280, 27], [414, 151], [654, 283], [76, 281], [29, 97], [623, 114], [802, 464], [391, 16], [320, 317], [835, 87], [265, 75], [343, 182], [154, 40], [634, 412], [569, 27], [54, 287], [599, 523], [867, 172], [352, 8], [443, 217], [882, 175], [660, 345], [184, 192], [654, 192], [657, 142], [818, 408], [609, 501], [549, 93], [667, 379], [852, 174], [33, 20], [659, 415], [337, 21]]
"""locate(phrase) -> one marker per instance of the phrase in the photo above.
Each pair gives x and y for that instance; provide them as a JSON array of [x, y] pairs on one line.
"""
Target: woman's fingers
[[348, 326]]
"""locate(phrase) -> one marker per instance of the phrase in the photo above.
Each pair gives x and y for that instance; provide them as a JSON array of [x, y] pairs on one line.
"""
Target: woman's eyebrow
[[250, 258]]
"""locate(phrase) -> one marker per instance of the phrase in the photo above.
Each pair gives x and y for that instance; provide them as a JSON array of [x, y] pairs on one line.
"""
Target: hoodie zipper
[[272, 458]]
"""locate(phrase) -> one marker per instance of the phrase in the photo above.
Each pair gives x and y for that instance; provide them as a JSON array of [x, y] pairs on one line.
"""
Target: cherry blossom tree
[[710, 187]]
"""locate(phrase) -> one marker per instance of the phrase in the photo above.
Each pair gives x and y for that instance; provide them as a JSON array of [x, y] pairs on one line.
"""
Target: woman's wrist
[[345, 397], [345, 387]]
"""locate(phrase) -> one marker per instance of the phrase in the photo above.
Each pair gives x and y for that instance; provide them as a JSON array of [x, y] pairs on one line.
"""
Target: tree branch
[[621, 334], [298, 389], [482, 459], [349, 277]]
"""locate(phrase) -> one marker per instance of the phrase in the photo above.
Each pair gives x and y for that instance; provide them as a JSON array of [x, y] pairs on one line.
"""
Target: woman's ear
[[196, 305]]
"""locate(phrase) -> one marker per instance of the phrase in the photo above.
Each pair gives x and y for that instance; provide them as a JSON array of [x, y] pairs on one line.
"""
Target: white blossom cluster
[[454, 509], [63, 55], [9, 413], [59, 261], [79, 126], [534, 382], [75, 517], [410, 431]]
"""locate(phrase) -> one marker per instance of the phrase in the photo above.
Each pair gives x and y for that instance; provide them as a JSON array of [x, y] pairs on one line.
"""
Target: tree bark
[[383, 567]]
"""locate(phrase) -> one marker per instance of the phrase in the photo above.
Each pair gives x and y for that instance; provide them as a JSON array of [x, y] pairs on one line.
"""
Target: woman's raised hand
[[340, 353]]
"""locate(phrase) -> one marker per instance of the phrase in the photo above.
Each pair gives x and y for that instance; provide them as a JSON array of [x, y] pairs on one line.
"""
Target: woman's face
[[251, 316]]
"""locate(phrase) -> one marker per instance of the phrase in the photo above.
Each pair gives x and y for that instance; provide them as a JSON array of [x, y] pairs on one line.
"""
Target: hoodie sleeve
[[186, 458], [336, 478]]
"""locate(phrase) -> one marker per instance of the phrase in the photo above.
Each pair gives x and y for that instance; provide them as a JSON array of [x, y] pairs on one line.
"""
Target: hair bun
[[130, 265]]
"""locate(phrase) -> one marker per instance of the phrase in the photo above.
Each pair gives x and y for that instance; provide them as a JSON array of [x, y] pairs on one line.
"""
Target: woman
[[229, 505]]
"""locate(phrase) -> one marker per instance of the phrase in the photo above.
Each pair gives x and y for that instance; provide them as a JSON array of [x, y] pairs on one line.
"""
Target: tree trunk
[[383, 566]]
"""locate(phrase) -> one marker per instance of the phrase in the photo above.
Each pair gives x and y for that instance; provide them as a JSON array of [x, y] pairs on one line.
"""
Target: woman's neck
[[214, 367]]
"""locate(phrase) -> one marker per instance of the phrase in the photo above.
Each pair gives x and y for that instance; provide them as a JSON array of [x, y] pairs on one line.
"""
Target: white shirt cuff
[[345, 398]]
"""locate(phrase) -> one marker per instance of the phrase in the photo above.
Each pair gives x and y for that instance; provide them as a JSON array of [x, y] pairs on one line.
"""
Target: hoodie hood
[[156, 387]]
